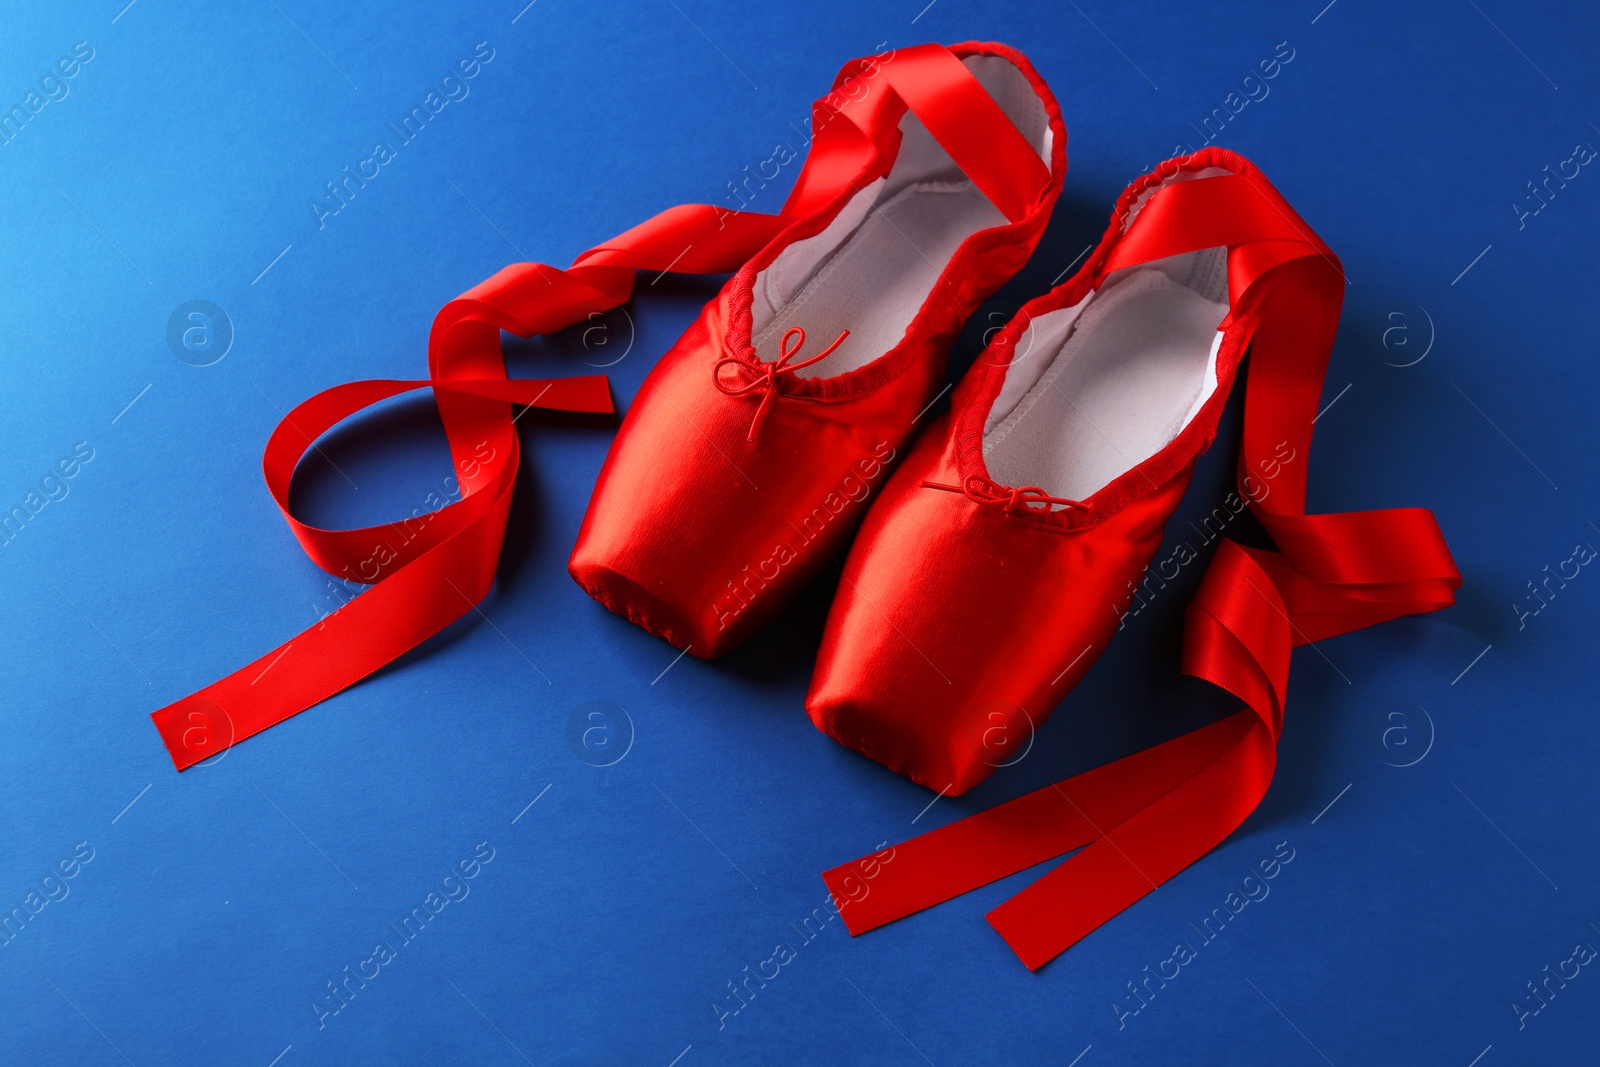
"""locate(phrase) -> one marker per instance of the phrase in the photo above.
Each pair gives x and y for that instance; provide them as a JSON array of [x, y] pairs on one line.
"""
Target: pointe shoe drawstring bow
[[767, 373]]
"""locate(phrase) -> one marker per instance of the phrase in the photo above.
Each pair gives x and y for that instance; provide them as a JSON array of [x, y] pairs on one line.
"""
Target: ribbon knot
[[766, 378], [1010, 500]]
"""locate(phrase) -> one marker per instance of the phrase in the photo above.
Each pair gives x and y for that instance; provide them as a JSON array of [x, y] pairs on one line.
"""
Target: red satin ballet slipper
[[1001, 556], [751, 450]]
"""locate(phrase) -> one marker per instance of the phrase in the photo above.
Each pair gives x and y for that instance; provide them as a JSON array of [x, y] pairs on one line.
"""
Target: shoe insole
[[877, 280], [1135, 367]]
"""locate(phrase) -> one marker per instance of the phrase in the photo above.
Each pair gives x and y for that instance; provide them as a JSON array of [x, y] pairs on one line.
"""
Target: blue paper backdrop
[[1436, 789]]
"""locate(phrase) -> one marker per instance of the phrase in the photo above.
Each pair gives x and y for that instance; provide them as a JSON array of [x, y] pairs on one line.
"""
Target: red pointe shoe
[[749, 455], [996, 564]]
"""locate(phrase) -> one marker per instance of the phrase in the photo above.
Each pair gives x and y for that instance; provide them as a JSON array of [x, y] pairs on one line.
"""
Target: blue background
[[618, 907]]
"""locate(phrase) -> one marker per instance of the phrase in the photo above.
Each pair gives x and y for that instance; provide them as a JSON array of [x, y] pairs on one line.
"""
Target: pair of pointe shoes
[[992, 550]]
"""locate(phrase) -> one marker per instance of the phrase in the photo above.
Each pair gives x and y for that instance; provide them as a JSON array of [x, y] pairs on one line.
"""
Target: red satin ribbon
[[1142, 819], [443, 567]]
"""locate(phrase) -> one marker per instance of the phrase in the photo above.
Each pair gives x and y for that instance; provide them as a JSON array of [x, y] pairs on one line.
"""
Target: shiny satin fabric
[[425, 575], [700, 535], [957, 627], [733, 481], [1142, 819]]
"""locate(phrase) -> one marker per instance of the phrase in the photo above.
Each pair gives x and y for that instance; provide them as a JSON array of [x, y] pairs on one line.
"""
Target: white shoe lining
[[875, 282], [871, 270], [1098, 388]]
